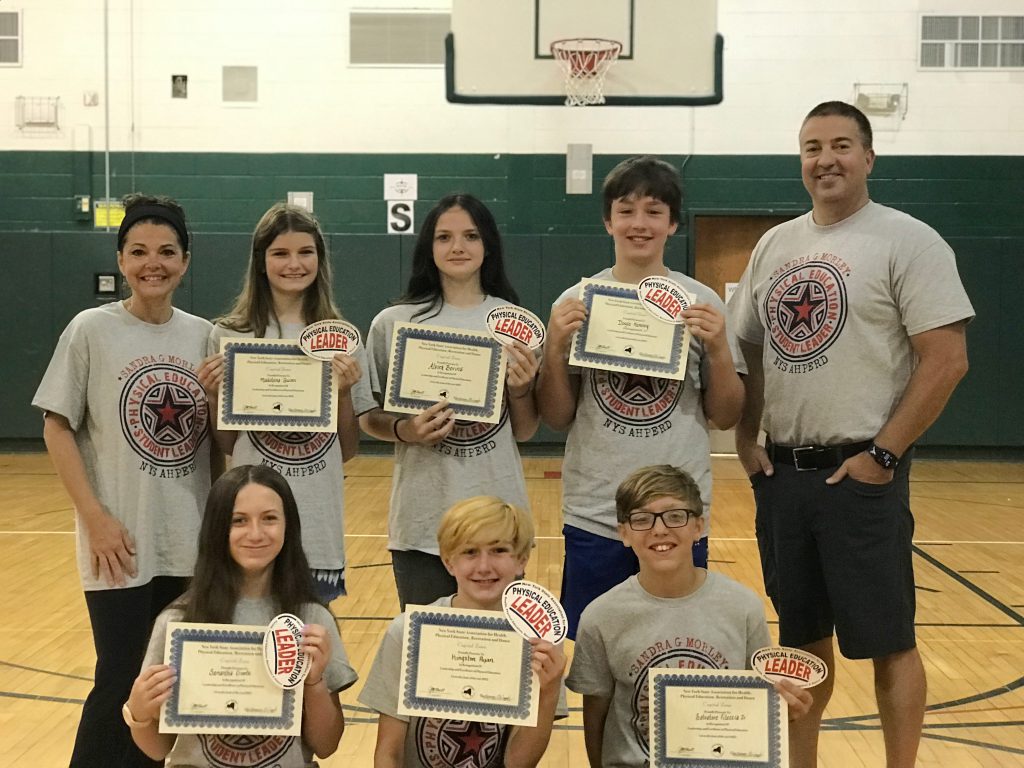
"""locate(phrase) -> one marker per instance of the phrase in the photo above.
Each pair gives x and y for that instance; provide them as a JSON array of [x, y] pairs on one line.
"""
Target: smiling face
[[292, 263], [458, 247], [483, 568], [835, 166], [152, 262], [640, 226], [257, 530], [662, 550]]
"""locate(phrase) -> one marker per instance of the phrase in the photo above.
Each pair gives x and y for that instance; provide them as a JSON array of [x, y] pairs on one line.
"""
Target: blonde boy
[[671, 615], [485, 544]]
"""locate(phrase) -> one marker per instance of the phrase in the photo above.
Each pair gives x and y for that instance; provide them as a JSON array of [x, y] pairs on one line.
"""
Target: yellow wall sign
[[107, 213]]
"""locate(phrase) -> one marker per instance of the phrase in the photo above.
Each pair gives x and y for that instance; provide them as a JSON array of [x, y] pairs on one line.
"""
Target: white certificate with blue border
[[704, 718], [467, 665], [432, 363], [223, 685], [271, 385], [620, 335]]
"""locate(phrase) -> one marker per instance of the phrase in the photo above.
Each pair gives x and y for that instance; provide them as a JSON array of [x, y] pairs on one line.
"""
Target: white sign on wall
[[400, 186], [400, 217]]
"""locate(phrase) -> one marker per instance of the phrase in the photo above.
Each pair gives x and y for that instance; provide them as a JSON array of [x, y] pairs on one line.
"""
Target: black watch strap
[[885, 459]]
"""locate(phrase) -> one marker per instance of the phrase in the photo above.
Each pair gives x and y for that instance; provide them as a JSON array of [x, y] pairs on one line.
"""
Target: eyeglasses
[[672, 518]]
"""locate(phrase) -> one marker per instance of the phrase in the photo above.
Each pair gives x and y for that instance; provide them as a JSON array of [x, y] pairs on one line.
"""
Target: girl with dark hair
[[458, 276], [287, 286], [126, 426], [250, 568]]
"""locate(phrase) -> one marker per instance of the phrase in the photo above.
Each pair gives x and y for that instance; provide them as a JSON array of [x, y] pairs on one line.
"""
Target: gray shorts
[[838, 559]]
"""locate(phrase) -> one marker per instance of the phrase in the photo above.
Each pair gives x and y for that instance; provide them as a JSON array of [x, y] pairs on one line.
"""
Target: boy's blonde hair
[[485, 517], [649, 483]]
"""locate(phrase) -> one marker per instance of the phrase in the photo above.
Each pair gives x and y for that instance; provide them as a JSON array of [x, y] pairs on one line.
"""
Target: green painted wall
[[50, 256]]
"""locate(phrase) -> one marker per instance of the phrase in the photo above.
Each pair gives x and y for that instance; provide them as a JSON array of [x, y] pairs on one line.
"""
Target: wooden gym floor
[[969, 560]]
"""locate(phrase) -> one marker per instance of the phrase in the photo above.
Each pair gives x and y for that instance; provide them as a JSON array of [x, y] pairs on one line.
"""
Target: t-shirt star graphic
[[468, 744], [634, 387], [169, 413], [800, 309]]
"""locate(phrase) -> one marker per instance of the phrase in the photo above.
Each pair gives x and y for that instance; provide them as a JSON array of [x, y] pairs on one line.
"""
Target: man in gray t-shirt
[[851, 320]]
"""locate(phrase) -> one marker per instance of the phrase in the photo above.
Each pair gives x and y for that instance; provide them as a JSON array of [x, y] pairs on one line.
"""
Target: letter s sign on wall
[[400, 217]]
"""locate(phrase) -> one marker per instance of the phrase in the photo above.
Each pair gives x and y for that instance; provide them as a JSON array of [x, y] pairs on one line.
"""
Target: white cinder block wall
[[781, 58]]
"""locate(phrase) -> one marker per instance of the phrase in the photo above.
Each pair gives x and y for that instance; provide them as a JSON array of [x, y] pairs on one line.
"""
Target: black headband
[[139, 212]]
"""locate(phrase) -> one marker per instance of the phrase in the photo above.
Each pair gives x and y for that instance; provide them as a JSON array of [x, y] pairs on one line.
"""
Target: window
[[972, 42], [10, 39], [397, 38]]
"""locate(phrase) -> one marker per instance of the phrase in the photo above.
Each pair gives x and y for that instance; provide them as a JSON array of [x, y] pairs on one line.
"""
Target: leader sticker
[[509, 323], [326, 338], [534, 612], [664, 298], [282, 651], [779, 663]]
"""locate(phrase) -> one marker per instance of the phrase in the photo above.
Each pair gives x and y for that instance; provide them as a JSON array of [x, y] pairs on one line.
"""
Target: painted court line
[[920, 542]]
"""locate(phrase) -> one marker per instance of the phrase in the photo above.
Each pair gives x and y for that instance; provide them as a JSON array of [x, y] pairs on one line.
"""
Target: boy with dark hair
[[617, 421], [671, 615]]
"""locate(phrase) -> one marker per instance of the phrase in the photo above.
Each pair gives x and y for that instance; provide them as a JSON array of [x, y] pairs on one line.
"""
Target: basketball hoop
[[585, 62]]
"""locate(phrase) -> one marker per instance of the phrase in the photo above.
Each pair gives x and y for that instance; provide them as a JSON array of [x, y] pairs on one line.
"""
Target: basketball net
[[585, 62]]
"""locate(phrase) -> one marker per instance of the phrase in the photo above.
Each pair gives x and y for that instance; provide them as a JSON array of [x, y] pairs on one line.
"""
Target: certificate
[[466, 664], [223, 685], [431, 363], [709, 717], [620, 335], [271, 385]]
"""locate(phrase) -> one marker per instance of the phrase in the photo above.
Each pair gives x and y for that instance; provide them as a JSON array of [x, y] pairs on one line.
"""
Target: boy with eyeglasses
[[671, 615]]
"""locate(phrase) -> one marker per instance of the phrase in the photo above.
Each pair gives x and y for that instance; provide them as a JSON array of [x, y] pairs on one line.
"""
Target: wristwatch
[[129, 718], [885, 459]]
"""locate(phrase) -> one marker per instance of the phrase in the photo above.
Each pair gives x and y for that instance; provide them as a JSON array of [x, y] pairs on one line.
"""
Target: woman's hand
[[211, 374], [150, 690], [566, 318], [316, 644], [346, 371], [111, 547], [429, 427], [520, 370]]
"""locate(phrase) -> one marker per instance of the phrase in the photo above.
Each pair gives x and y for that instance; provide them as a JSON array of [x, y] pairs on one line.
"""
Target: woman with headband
[[126, 425]]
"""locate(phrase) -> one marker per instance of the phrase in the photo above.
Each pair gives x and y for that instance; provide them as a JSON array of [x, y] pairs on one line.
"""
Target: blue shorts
[[329, 583], [594, 564], [837, 558]]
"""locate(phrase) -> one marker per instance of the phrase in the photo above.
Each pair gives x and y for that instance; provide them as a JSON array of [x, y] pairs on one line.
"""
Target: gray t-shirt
[[475, 459], [310, 462], [627, 631], [129, 391], [626, 421], [429, 741], [834, 308], [217, 751]]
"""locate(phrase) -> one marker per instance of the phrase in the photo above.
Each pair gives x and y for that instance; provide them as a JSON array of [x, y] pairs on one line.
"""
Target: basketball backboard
[[499, 51]]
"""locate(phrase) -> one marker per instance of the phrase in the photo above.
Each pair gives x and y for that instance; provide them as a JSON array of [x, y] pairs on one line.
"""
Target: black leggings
[[121, 622], [420, 577]]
